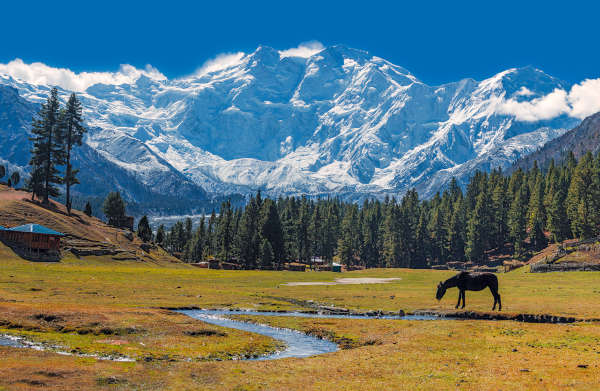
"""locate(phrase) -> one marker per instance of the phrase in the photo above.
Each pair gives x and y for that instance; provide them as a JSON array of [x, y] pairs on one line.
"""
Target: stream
[[297, 344]]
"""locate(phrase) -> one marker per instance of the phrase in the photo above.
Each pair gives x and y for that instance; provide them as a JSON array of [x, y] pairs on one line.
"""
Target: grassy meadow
[[107, 307]]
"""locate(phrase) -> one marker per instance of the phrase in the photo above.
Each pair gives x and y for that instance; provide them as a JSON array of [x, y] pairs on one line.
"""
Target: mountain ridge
[[584, 138], [338, 122]]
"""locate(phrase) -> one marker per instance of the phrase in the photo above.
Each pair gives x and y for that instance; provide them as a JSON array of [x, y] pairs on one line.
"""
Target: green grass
[[102, 306]]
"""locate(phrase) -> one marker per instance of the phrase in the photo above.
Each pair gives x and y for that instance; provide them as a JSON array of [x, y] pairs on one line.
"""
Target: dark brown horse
[[466, 281]]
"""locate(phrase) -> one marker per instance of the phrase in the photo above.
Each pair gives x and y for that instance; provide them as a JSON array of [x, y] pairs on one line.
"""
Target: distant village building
[[33, 238], [295, 267]]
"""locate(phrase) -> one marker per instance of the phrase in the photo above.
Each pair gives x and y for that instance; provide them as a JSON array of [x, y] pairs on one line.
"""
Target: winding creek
[[297, 344]]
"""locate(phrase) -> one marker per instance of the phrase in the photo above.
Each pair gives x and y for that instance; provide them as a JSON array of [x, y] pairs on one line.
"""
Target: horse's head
[[441, 291]]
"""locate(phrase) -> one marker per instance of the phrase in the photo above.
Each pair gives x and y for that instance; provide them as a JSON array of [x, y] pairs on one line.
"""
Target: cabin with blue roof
[[32, 238]]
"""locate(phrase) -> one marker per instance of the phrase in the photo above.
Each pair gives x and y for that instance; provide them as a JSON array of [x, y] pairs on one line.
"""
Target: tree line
[[55, 130], [496, 214]]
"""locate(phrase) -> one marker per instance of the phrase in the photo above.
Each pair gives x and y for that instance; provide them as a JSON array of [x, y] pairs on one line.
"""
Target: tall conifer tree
[[48, 150], [73, 131]]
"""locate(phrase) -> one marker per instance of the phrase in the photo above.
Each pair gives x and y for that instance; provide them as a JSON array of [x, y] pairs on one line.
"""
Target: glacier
[[338, 122]]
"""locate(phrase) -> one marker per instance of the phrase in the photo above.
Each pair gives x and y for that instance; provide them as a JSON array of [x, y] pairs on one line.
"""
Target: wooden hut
[[33, 238]]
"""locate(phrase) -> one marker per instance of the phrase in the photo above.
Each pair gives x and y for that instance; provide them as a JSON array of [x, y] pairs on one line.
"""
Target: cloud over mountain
[[305, 49], [309, 120], [581, 101], [42, 74]]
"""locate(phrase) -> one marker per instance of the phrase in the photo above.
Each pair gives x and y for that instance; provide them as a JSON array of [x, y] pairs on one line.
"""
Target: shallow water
[[10, 341], [298, 344], [20, 342]]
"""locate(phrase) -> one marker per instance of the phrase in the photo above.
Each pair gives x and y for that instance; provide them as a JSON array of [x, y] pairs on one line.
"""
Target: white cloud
[[584, 98], [39, 73], [545, 107], [221, 61], [524, 91], [581, 101], [305, 49]]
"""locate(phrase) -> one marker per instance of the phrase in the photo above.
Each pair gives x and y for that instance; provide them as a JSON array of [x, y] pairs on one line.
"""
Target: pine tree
[[15, 179], [144, 231], [88, 209], [423, 250], [517, 222], [266, 254], [437, 232], [187, 229], [271, 230], [454, 190], [48, 151], [35, 183], [558, 221], [161, 235], [456, 239], [73, 131], [409, 214], [2, 171], [391, 236], [288, 222], [315, 232], [537, 215], [476, 230], [580, 198], [113, 207], [176, 238], [500, 206], [346, 248], [225, 231], [198, 243], [248, 237], [302, 232], [369, 252], [209, 248]]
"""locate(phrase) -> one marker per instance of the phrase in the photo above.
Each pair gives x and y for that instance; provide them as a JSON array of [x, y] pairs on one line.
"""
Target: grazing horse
[[466, 281]]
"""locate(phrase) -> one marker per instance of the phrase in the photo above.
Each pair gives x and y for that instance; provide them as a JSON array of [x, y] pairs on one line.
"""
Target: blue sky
[[437, 41]]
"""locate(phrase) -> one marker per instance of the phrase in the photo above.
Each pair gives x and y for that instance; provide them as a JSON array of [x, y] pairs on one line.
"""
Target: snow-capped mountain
[[339, 121]]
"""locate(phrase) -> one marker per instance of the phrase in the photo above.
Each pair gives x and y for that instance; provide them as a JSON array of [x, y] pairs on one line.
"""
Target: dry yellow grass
[[82, 231], [441, 355], [100, 305]]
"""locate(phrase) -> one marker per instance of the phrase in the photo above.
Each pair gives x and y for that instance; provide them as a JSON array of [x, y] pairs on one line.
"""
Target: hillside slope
[[581, 139], [84, 236]]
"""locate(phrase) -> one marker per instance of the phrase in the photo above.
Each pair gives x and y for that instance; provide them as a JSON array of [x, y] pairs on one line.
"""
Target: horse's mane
[[452, 281]]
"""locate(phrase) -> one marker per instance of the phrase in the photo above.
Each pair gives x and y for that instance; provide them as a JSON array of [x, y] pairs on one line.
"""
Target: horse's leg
[[464, 293], [494, 291], [499, 303], [459, 297]]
